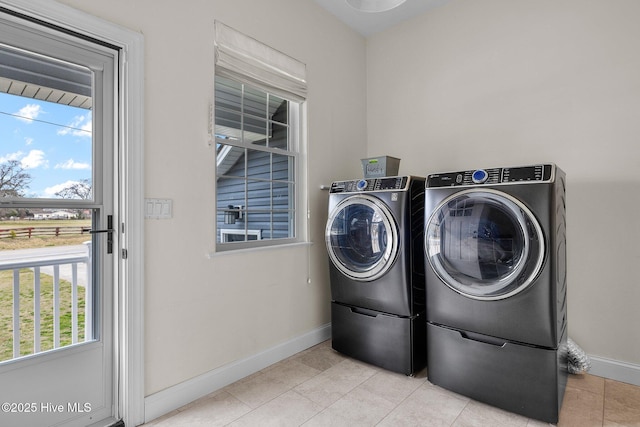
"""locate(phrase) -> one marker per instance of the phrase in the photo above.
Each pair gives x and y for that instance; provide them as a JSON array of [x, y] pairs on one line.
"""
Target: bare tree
[[13, 179], [78, 190]]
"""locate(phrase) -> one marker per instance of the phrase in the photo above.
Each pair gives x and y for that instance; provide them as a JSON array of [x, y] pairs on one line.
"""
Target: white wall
[[471, 84], [505, 83], [204, 313]]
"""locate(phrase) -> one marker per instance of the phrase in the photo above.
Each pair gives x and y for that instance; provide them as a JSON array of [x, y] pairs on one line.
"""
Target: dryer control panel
[[394, 183], [514, 175]]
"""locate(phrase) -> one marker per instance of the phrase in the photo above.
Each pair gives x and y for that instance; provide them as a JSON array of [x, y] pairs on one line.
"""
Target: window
[[233, 235], [258, 146]]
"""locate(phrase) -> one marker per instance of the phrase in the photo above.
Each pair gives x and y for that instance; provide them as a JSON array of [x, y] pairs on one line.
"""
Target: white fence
[[71, 263]]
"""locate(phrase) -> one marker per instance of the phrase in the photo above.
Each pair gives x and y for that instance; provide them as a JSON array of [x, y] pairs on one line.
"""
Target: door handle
[[484, 339], [364, 312], [109, 230]]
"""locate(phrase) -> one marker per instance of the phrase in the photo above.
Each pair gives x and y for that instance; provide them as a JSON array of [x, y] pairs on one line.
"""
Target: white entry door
[[59, 233]]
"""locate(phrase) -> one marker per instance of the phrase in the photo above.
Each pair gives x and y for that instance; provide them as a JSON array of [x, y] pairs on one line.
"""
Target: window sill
[[212, 255]]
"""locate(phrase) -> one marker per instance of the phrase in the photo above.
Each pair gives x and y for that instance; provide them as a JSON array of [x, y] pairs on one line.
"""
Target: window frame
[[225, 232], [296, 149]]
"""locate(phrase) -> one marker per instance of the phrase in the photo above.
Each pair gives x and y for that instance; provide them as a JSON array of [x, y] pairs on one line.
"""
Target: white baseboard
[[167, 400], [615, 370]]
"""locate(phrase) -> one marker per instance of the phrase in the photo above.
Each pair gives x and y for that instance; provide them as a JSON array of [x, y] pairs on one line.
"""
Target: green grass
[[27, 317], [46, 293]]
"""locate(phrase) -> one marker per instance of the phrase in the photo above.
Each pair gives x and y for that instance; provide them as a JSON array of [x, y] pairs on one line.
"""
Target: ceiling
[[367, 23], [39, 77]]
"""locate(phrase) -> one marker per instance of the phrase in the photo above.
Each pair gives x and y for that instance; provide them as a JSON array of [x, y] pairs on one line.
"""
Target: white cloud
[[34, 159], [28, 113], [11, 156], [72, 164], [80, 126], [28, 141], [50, 192]]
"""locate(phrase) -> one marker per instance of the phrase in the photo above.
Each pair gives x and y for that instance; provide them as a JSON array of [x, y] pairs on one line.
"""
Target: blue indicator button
[[362, 184], [479, 176]]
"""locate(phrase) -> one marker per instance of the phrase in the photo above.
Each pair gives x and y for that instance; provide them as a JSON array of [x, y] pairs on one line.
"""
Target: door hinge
[[125, 254]]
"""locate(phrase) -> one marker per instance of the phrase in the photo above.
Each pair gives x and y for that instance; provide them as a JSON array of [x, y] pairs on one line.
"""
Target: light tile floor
[[320, 387]]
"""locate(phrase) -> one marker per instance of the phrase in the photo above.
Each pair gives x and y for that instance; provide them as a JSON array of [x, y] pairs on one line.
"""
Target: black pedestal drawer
[[391, 342], [516, 377]]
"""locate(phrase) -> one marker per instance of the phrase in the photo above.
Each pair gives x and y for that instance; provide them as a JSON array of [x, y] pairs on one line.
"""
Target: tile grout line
[[309, 379], [461, 411], [401, 402], [293, 390], [604, 399]]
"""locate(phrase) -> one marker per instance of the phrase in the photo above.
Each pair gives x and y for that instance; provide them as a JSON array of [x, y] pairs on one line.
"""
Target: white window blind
[[243, 58]]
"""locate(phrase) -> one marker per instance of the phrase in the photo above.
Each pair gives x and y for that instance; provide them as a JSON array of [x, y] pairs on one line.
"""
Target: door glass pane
[[46, 159], [359, 237], [46, 128], [478, 245], [480, 240]]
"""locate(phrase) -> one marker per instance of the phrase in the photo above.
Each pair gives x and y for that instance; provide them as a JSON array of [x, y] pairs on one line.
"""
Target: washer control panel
[[394, 183], [521, 174]]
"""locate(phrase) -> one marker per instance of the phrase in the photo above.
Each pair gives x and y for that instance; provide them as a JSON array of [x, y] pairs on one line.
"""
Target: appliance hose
[[578, 360]]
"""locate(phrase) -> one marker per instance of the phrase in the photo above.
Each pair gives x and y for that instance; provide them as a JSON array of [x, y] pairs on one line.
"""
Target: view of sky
[[51, 141]]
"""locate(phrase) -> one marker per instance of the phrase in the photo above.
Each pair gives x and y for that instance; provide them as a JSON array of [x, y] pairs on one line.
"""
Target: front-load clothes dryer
[[495, 248], [374, 238]]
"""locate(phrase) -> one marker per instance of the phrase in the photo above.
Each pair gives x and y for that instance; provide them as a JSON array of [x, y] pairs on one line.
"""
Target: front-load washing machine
[[495, 245], [374, 238]]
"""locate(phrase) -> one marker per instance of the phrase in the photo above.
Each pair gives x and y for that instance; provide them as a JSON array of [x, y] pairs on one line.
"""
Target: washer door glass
[[361, 237], [484, 244]]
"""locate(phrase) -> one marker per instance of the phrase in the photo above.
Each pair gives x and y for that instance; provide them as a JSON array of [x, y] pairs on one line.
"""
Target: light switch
[[158, 208]]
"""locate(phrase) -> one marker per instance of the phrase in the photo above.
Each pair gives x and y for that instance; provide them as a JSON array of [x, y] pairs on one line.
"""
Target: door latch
[[109, 231]]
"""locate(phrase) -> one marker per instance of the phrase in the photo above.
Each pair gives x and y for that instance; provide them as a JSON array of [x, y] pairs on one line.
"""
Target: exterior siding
[[262, 201]]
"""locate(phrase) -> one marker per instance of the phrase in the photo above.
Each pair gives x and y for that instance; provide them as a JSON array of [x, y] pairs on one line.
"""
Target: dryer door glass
[[484, 244], [362, 238]]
